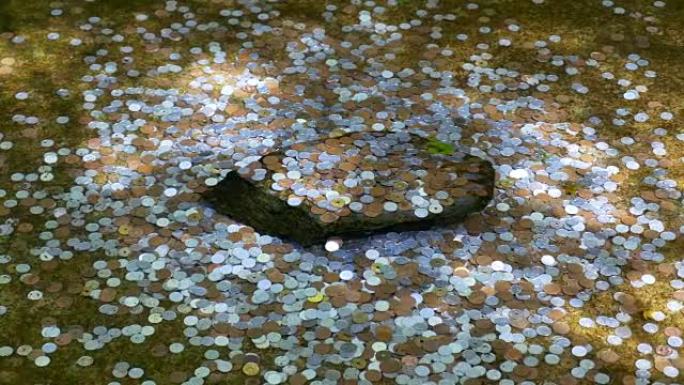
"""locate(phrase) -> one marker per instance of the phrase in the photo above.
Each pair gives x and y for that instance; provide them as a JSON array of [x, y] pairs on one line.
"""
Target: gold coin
[[251, 369]]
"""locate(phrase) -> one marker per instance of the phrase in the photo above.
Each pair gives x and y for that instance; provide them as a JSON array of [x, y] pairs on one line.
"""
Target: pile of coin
[[369, 174]]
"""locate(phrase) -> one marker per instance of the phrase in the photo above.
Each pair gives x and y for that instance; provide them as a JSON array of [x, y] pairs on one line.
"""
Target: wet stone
[[355, 185]]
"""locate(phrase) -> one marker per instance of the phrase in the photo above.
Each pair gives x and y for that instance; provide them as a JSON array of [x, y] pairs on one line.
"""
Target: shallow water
[[115, 115]]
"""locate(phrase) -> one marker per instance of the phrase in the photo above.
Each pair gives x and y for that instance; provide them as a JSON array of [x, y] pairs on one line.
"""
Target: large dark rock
[[355, 185]]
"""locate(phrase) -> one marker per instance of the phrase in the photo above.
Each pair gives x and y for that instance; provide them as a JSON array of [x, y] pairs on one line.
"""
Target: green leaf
[[435, 146]]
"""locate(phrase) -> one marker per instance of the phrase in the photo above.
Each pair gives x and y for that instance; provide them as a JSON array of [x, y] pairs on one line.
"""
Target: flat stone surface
[[355, 185]]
